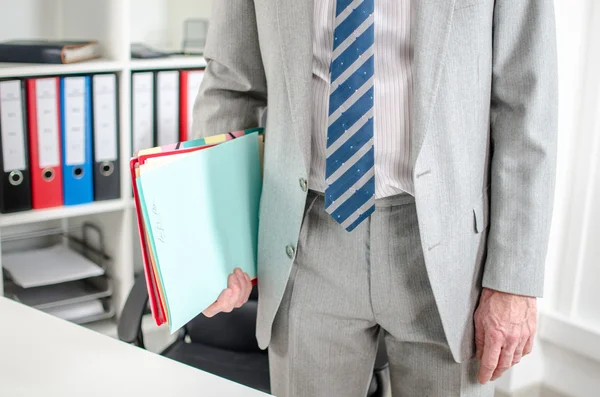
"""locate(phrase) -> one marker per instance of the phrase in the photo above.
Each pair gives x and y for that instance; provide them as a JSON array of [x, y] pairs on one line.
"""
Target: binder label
[[47, 120], [11, 119], [74, 120], [143, 110], [194, 81], [105, 118], [168, 107]]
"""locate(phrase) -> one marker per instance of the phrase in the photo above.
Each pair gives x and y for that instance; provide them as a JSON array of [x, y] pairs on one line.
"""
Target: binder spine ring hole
[[78, 172], [15, 177], [48, 174], [106, 168]]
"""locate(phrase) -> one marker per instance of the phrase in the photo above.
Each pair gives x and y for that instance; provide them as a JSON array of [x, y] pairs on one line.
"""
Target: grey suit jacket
[[484, 121]]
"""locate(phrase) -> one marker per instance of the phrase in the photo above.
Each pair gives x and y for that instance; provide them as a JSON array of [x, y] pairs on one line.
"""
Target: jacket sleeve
[[523, 134], [233, 93]]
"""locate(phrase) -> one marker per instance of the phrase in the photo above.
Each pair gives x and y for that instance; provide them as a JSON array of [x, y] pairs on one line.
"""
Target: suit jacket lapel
[[430, 28], [295, 19]]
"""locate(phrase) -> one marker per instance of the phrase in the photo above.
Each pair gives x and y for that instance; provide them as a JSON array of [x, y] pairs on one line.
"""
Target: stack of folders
[[59, 141], [197, 204], [162, 106], [59, 281]]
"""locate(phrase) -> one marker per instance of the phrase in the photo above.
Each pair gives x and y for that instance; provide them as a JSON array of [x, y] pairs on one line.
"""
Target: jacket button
[[303, 185], [290, 251]]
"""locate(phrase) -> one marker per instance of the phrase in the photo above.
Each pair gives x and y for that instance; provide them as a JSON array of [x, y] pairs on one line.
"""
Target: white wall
[[159, 23], [31, 19]]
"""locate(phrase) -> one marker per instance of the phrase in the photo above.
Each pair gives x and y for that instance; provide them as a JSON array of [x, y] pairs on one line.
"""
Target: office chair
[[224, 345]]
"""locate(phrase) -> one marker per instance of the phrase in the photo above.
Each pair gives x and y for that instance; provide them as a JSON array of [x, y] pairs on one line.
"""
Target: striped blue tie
[[349, 170]]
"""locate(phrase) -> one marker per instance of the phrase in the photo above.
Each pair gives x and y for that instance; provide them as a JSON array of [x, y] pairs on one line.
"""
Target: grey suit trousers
[[346, 287]]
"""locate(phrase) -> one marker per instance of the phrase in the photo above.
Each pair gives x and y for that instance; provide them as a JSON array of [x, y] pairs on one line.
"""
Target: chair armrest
[[130, 322]]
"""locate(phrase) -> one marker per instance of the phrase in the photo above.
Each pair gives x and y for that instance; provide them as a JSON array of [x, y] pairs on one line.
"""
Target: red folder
[[188, 89], [45, 143], [157, 304], [183, 105]]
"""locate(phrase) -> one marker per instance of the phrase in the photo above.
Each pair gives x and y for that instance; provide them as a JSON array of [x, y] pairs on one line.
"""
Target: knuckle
[[513, 338], [496, 336]]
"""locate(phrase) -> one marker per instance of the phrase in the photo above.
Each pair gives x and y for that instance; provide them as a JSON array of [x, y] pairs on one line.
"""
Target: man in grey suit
[[408, 183]]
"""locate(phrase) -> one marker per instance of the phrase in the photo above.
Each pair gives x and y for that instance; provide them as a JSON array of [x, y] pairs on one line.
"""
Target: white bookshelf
[[65, 212], [8, 70], [115, 24], [172, 62]]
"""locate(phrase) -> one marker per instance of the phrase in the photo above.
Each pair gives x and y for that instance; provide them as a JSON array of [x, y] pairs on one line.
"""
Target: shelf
[[172, 62], [32, 216], [35, 69]]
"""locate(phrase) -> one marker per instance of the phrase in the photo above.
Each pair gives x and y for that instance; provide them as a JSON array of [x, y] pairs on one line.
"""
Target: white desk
[[41, 355]]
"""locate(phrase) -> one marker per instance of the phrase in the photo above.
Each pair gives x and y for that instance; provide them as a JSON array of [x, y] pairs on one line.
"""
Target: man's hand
[[239, 287], [504, 330]]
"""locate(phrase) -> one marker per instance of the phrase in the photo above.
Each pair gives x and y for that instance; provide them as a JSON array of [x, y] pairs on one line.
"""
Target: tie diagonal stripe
[[350, 177], [343, 166], [358, 47], [342, 15], [361, 214], [352, 68], [349, 149], [351, 206], [345, 117], [358, 82], [350, 39], [331, 206], [352, 22], [349, 133], [341, 5]]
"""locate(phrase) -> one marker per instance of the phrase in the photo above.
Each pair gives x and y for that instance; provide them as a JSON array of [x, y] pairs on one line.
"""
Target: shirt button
[[290, 251], [303, 184]]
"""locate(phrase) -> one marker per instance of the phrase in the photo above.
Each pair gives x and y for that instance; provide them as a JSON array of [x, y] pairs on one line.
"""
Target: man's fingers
[[529, 345], [237, 293], [479, 340], [491, 355], [520, 348], [504, 363], [234, 284], [222, 303], [243, 296]]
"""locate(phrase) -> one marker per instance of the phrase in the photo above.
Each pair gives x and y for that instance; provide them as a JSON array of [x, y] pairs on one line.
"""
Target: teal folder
[[201, 209]]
